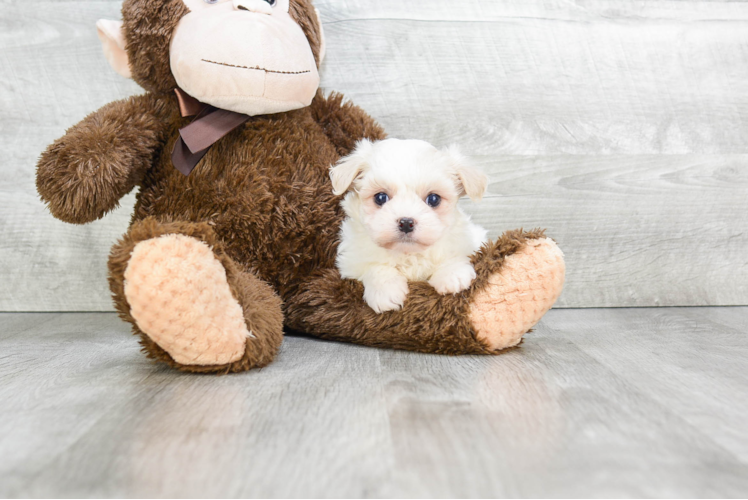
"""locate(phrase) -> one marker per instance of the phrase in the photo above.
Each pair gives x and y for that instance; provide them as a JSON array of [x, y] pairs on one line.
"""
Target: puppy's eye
[[271, 2], [381, 198], [433, 200], [211, 1]]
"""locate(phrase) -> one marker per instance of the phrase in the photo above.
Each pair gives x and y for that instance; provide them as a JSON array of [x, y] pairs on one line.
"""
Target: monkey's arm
[[344, 123], [83, 175]]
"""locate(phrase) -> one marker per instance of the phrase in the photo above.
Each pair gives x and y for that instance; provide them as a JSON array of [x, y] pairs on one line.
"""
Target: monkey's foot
[[180, 297], [513, 300], [193, 306]]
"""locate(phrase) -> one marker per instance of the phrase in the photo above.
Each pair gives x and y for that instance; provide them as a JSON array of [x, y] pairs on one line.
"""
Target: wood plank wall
[[621, 126]]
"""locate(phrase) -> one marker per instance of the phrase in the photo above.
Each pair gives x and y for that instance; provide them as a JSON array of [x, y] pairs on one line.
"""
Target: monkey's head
[[250, 56]]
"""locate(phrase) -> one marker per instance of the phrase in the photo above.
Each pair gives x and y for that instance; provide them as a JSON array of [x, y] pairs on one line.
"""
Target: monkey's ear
[[472, 180], [345, 172], [113, 42], [322, 43]]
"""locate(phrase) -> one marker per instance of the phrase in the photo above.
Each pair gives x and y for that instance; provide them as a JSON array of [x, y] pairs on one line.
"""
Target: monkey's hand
[[83, 175], [344, 123]]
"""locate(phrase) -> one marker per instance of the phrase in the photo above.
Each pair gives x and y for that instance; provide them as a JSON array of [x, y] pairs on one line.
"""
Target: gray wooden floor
[[607, 402]]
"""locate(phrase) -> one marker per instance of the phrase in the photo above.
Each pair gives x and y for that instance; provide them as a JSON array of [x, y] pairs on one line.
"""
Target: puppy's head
[[405, 192]]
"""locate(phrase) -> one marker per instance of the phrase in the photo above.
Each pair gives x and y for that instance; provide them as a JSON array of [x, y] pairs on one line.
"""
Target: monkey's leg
[[193, 307], [519, 277]]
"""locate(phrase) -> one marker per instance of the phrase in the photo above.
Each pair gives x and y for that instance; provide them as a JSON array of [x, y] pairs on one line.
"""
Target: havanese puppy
[[403, 223]]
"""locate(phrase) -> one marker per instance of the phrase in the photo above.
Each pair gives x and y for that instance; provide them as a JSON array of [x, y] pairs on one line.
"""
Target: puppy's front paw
[[386, 295], [453, 279]]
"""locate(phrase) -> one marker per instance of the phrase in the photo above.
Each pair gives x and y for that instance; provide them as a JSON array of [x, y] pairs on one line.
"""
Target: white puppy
[[403, 221]]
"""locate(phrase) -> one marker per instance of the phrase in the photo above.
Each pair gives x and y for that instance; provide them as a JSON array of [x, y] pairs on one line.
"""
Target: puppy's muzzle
[[406, 225]]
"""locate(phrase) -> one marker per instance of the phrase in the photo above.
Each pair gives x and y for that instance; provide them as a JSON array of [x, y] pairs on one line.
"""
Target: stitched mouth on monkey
[[257, 68]]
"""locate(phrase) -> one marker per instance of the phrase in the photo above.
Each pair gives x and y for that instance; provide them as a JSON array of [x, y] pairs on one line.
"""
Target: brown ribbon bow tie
[[208, 127]]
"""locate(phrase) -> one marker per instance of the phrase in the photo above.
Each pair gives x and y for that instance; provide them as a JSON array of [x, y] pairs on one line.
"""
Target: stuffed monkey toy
[[234, 235]]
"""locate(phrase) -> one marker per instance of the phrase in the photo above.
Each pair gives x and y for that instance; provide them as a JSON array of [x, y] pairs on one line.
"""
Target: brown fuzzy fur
[[149, 26], [302, 11], [261, 199]]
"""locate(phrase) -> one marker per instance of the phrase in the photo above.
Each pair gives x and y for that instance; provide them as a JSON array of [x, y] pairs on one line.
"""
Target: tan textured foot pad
[[515, 298], [179, 296]]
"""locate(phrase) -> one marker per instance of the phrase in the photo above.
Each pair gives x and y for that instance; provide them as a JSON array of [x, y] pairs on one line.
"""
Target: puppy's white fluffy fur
[[373, 249]]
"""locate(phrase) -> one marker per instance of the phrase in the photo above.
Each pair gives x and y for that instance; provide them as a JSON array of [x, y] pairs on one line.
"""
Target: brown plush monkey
[[216, 263]]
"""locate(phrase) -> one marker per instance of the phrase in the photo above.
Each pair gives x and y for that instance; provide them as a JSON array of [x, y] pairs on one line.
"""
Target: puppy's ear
[[472, 181], [350, 167]]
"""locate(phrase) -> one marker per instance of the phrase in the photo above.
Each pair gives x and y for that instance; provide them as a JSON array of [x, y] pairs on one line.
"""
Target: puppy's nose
[[407, 225]]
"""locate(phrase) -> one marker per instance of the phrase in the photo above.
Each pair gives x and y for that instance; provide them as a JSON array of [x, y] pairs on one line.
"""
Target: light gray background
[[621, 126]]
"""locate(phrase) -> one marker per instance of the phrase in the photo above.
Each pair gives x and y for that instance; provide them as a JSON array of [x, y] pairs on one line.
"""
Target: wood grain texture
[[595, 403], [681, 223], [52, 74], [620, 126], [552, 77]]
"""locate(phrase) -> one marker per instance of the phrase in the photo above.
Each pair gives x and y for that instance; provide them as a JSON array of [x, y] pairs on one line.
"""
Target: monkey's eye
[[381, 198], [433, 200]]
